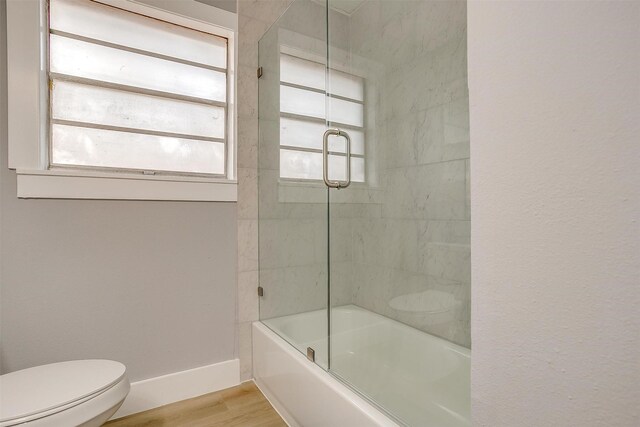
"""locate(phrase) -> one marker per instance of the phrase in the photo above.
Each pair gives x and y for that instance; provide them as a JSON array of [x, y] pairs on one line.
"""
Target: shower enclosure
[[363, 182]]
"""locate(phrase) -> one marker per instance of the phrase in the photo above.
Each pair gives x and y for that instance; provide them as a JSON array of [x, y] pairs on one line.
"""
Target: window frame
[[29, 121]]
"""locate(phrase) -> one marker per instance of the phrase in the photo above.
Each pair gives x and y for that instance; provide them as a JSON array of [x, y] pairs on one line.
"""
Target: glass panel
[[301, 133], [337, 169], [302, 102], [300, 164], [313, 104], [399, 243], [91, 61], [349, 113], [312, 74], [347, 85], [308, 134], [110, 107], [307, 165], [96, 21], [302, 72], [292, 216], [357, 142], [124, 150]]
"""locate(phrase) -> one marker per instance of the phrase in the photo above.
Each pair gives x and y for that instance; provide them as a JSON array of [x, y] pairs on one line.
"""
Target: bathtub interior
[[421, 379]]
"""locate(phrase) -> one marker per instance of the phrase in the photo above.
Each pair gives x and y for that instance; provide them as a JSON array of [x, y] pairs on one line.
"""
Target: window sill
[[66, 184]]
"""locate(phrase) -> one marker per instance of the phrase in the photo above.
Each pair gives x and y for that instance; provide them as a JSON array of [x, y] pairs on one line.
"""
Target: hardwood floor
[[243, 405]]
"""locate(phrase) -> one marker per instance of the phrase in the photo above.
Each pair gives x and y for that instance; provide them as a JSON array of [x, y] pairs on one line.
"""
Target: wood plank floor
[[243, 405]]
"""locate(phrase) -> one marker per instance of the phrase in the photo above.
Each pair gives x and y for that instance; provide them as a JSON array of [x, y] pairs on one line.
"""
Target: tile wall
[[254, 18], [411, 258]]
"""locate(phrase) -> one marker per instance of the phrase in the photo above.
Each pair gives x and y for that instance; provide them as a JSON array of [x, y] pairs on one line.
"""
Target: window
[[121, 99], [133, 93], [303, 106]]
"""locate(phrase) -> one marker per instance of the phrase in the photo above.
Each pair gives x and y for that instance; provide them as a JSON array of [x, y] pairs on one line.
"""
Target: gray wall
[[151, 284]]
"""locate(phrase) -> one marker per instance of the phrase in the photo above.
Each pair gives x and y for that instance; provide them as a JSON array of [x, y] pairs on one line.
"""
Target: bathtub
[[402, 376]]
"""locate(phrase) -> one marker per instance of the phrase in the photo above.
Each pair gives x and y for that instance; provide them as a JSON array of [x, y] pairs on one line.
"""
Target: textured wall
[[555, 124], [151, 284]]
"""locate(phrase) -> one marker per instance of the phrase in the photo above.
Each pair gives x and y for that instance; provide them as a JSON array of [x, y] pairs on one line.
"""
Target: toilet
[[76, 393]]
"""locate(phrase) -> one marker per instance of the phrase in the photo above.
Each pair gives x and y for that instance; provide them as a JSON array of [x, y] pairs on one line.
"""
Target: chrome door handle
[[325, 158]]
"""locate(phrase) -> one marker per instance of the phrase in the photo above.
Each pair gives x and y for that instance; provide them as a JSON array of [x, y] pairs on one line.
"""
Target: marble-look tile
[[247, 48], [245, 351], [447, 21], [387, 242], [428, 81], [418, 245], [293, 289], [307, 18], [247, 193], [373, 286], [264, 10], [272, 204], [250, 30], [450, 261], [340, 239], [467, 167], [269, 206], [316, 192], [292, 242], [269, 145], [432, 191], [341, 285], [456, 232], [254, 18], [247, 143], [247, 245], [456, 127], [375, 14], [431, 136], [423, 302], [269, 92], [356, 210], [247, 92], [248, 309], [393, 41]]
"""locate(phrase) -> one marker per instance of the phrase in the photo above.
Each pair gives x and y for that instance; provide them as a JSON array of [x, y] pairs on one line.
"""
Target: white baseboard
[[158, 391]]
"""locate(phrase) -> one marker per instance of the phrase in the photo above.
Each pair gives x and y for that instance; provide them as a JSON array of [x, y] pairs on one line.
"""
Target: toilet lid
[[44, 388]]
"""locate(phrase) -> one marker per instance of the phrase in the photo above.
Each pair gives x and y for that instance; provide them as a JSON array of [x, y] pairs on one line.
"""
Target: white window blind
[[303, 120], [129, 92]]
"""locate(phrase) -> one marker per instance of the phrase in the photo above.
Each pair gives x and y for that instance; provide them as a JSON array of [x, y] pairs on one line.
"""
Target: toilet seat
[[43, 391]]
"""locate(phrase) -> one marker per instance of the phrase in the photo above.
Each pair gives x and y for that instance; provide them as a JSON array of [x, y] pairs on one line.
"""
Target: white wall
[[555, 160], [151, 284]]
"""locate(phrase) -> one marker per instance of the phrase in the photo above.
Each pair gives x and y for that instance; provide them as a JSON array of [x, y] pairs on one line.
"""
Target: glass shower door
[[292, 199], [399, 220], [363, 199]]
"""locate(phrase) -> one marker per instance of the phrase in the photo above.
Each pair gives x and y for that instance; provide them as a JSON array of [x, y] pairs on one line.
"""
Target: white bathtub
[[420, 379]]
